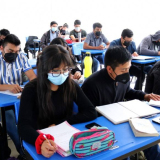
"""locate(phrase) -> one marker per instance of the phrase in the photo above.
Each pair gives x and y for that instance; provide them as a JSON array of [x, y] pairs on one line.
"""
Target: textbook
[[142, 57], [62, 134], [122, 111], [142, 128]]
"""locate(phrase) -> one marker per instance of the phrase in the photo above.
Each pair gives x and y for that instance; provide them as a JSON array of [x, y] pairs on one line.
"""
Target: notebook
[[142, 128], [10, 93], [142, 57], [154, 103], [123, 111], [62, 134]]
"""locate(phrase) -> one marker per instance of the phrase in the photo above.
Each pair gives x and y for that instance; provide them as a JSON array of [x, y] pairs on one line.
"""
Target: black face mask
[[126, 43], [98, 33], [10, 57], [123, 78], [63, 32]]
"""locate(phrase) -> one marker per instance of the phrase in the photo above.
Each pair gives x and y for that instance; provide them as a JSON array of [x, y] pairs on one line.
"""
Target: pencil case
[[89, 142]]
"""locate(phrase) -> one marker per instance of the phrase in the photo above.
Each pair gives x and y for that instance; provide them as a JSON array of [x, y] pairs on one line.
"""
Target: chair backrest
[[17, 106], [76, 48]]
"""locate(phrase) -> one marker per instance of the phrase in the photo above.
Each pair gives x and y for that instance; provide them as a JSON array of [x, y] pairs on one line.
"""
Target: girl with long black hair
[[48, 99]]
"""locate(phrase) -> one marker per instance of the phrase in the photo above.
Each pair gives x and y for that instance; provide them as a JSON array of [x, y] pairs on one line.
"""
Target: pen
[[46, 139], [150, 116]]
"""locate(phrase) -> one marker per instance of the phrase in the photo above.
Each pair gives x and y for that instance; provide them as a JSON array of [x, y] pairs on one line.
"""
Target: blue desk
[[32, 62], [142, 63], [5, 101], [127, 142]]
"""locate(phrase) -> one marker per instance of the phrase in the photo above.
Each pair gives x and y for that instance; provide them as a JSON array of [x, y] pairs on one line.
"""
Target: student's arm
[[112, 44], [26, 119], [30, 74], [134, 52], [43, 41], [145, 50], [14, 88], [85, 35], [86, 110], [105, 40], [87, 46]]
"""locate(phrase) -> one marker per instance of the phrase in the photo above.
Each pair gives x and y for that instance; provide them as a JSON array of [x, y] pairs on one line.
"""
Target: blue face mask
[[54, 29], [57, 80]]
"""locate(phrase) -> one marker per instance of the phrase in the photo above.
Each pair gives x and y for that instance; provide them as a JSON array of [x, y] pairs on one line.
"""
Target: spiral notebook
[[62, 134]]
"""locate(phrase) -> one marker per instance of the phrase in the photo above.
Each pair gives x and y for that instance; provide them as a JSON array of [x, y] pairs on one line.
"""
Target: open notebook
[[142, 128], [154, 103], [122, 111], [142, 57], [62, 134]]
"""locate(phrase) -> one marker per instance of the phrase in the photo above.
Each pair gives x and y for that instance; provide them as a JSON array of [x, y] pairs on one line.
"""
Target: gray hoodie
[[148, 45]]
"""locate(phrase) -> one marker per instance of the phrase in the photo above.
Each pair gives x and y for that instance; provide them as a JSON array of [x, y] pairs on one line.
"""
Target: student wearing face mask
[[48, 100], [12, 64], [112, 85], [150, 45], [94, 41], [126, 41], [49, 35], [76, 30]]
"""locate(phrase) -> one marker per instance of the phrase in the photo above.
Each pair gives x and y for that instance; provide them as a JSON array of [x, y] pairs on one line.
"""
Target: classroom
[[79, 79]]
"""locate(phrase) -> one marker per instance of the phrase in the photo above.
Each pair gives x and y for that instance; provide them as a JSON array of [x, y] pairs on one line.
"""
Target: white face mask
[[77, 29], [54, 29]]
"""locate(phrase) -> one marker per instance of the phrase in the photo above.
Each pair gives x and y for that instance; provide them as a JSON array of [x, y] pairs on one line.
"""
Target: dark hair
[[53, 22], [127, 33], [77, 22], [97, 25], [11, 38], [65, 25], [4, 32], [62, 42], [59, 27], [52, 57], [115, 56]]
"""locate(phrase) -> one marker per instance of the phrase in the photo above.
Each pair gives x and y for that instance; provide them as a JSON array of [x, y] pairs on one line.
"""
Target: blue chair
[[75, 108], [16, 107], [76, 49], [32, 50]]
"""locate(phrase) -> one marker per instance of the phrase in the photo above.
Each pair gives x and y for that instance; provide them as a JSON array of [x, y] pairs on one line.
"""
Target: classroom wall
[[33, 17]]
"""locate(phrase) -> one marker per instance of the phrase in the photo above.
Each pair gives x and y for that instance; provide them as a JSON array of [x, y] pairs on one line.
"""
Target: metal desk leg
[[140, 80], [4, 132]]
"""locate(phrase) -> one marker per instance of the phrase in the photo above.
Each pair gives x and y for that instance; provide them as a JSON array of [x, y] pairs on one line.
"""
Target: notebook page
[[10, 93], [154, 103], [139, 108], [116, 113], [142, 57], [62, 134]]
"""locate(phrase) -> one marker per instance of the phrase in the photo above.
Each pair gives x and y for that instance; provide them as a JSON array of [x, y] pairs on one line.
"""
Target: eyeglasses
[[56, 73]]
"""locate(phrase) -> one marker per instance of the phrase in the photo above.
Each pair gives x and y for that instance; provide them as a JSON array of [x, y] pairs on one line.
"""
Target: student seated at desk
[[94, 41], [112, 85], [3, 34], [126, 42], [12, 64], [48, 100], [150, 45], [76, 30], [153, 80], [76, 72]]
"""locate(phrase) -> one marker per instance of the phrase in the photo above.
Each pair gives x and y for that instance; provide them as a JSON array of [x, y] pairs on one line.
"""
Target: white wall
[[33, 17]]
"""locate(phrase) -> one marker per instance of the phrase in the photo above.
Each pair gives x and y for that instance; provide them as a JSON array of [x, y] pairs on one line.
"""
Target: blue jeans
[[95, 65], [12, 129], [152, 153]]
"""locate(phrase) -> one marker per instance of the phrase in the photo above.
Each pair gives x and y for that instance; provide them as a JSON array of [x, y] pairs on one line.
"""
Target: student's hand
[[48, 150], [101, 47], [14, 88], [152, 96], [159, 53], [77, 75], [52, 125], [135, 54]]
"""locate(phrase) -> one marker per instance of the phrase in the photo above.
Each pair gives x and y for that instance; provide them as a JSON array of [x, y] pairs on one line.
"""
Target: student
[[12, 64], [126, 42], [76, 72], [153, 80], [112, 85], [3, 34], [49, 35], [94, 41], [77, 29], [150, 45], [64, 30], [48, 100]]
